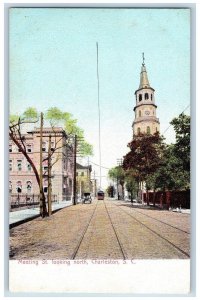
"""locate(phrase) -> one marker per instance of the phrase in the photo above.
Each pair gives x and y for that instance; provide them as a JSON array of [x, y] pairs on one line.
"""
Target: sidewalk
[[30, 213], [183, 211]]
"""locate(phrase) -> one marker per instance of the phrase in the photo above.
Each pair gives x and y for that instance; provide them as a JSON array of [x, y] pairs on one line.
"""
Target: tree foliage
[[145, 155], [55, 117], [182, 146]]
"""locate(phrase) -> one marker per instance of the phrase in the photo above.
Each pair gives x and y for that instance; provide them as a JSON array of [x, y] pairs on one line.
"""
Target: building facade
[[22, 180], [83, 179], [145, 120]]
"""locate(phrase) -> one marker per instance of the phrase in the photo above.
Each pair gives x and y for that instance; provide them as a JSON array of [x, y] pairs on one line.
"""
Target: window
[[45, 189], [76, 173], [45, 168], [82, 173], [29, 186], [148, 130], [19, 165], [29, 167], [19, 150], [19, 186], [140, 97], [151, 97], [140, 113], [29, 148], [138, 130], [52, 146], [44, 147], [10, 186], [10, 148], [10, 165], [146, 96]]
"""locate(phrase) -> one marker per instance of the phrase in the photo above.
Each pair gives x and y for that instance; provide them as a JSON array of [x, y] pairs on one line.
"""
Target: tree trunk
[[131, 197], [154, 197], [122, 191], [49, 179], [147, 196], [43, 209]]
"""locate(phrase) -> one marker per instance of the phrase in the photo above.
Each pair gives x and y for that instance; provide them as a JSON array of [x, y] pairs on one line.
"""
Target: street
[[109, 229]]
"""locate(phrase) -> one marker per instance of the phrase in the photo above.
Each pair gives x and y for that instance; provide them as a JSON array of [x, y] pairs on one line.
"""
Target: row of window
[[148, 130], [45, 146], [28, 166], [19, 165], [18, 187], [29, 147], [28, 187], [81, 173], [146, 96]]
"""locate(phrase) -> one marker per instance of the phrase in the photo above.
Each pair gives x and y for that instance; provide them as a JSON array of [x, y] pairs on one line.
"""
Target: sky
[[53, 62]]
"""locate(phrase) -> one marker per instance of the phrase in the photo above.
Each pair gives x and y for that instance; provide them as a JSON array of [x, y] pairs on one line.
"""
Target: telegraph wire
[[180, 114], [99, 165]]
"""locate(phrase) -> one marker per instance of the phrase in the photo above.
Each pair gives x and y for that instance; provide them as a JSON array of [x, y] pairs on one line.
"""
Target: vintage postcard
[[99, 150]]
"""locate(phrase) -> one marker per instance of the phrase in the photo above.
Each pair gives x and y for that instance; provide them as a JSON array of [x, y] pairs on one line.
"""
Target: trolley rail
[[83, 234], [156, 233], [117, 237], [160, 221]]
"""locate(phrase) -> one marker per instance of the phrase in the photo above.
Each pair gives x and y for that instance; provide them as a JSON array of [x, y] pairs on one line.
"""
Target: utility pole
[[95, 185], [99, 113], [74, 187], [41, 173], [49, 178]]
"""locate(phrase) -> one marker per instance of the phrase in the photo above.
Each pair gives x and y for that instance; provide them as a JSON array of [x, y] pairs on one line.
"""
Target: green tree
[[171, 174], [145, 156], [54, 117], [131, 184], [117, 173], [182, 146]]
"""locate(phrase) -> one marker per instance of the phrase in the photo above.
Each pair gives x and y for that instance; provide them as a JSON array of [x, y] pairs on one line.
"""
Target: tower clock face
[[147, 112]]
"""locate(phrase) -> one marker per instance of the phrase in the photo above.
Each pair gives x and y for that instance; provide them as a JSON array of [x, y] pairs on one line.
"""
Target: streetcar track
[[83, 235], [161, 221], [172, 244], [120, 245]]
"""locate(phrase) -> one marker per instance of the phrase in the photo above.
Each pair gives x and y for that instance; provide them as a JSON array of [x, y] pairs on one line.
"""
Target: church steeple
[[144, 82], [145, 109]]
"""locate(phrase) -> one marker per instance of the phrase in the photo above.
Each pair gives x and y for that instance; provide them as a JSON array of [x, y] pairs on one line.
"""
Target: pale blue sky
[[53, 63]]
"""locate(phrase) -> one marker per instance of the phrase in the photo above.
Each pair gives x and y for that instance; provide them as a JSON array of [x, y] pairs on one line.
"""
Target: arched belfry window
[[140, 97], [151, 97], [138, 130], [148, 130], [146, 96], [140, 113]]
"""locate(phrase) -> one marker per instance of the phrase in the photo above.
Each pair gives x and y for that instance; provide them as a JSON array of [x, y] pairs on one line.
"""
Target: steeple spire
[[144, 82]]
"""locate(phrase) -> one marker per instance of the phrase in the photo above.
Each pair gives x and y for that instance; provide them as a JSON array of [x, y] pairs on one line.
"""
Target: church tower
[[145, 109]]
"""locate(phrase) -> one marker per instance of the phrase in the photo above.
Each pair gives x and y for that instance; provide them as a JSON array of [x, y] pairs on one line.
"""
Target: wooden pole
[[49, 179], [41, 173], [74, 187]]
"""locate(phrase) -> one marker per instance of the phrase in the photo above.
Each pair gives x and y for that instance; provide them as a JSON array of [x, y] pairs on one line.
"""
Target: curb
[[32, 218]]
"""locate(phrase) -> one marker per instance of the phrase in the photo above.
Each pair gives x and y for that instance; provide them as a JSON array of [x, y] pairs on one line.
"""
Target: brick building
[[22, 180]]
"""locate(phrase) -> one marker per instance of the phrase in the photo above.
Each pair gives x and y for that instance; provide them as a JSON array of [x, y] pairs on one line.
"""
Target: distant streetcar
[[100, 195]]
